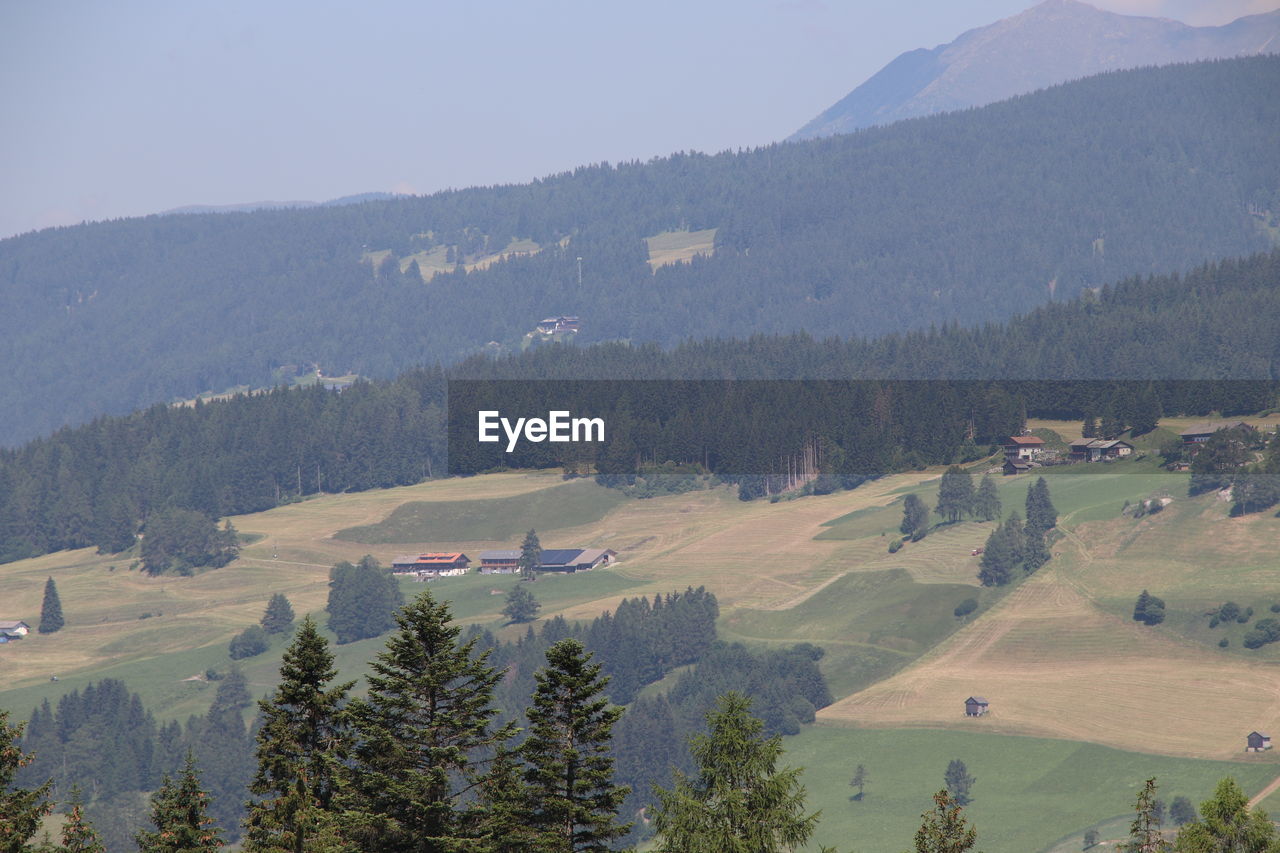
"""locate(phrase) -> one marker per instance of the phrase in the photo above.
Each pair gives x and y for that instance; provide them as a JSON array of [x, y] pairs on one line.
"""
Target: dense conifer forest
[[99, 484], [969, 217]]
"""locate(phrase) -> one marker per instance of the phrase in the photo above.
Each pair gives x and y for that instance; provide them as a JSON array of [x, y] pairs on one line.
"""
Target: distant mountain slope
[[961, 218], [1056, 41]]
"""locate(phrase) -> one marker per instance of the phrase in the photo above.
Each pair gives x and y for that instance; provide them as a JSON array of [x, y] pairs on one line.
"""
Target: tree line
[[102, 483], [968, 217]]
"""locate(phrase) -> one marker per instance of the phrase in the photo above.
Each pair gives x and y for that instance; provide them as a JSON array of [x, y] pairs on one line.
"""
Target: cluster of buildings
[[425, 567], [559, 325], [1024, 452]]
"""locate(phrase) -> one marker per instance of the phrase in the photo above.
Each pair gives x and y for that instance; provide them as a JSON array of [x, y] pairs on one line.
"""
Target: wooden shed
[[1257, 742], [975, 706]]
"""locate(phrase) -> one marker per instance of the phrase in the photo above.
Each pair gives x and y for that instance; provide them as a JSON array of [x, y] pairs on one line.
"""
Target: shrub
[[895, 546], [1148, 609], [1275, 608], [249, 642], [1264, 631], [1245, 616], [1228, 611], [1223, 643], [966, 607]]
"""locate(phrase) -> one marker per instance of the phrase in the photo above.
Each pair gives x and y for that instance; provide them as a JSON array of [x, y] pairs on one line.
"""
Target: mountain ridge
[[1053, 42]]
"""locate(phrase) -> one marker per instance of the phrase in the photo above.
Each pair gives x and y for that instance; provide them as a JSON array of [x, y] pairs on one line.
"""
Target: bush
[[966, 607], [1228, 611], [1244, 617], [1148, 609], [249, 642], [1223, 643], [895, 546], [1275, 608], [1264, 631]]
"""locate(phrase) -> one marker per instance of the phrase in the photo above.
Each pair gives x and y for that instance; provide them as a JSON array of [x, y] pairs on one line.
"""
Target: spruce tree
[[943, 829], [50, 609], [739, 801], [521, 605], [1041, 513], [569, 781], [530, 556], [179, 812], [959, 782], [20, 808], [986, 500], [1144, 832], [78, 836], [955, 494], [301, 744], [1035, 551], [420, 736], [1090, 427], [1228, 824], [278, 617], [502, 822]]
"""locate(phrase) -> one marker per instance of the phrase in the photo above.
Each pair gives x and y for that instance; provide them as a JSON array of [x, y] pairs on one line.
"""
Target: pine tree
[[959, 782], [78, 836], [301, 744], [955, 494], [1228, 824], [179, 812], [1144, 832], [569, 781], [1035, 551], [503, 822], [1090, 427], [530, 556], [521, 605], [420, 735], [986, 500], [278, 617], [943, 829], [1041, 513], [20, 808], [860, 780], [50, 609], [739, 802]]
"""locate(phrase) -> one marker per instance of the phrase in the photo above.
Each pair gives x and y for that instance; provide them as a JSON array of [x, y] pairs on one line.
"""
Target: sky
[[129, 108]]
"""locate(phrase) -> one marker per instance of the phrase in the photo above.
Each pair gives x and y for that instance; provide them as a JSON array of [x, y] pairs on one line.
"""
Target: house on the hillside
[[432, 565], [1200, 433], [975, 706], [1097, 449], [499, 562], [13, 630], [559, 325], [1023, 447], [1257, 742], [1017, 466], [575, 559]]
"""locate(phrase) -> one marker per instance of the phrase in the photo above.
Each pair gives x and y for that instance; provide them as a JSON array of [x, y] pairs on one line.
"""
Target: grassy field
[[674, 247], [498, 520], [1059, 657], [1031, 794], [433, 261]]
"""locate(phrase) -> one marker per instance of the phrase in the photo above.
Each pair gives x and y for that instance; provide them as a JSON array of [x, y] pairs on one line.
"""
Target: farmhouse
[[1257, 742], [1095, 449], [13, 630], [1200, 433], [440, 565], [499, 562], [575, 559], [1023, 447], [975, 706], [559, 325]]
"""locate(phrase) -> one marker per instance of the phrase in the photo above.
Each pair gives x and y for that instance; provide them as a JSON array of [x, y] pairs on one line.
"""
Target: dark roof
[[977, 700], [1210, 428], [1259, 734], [560, 556]]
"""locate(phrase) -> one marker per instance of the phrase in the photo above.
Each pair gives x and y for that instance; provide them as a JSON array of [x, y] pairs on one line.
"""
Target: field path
[[1265, 792]]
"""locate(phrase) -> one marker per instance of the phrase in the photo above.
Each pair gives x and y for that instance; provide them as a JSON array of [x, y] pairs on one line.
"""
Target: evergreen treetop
[[569, 777], [179, 812], [278, 617], [21, 809], [50, 609], [739, 801]]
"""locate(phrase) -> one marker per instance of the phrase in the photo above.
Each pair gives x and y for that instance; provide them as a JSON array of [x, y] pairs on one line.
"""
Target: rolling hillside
[[810, 570], [961, 218], [1050, 43]]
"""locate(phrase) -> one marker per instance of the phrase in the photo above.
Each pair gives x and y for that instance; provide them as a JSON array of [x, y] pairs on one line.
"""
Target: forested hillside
[[96, 484], [962, 218]]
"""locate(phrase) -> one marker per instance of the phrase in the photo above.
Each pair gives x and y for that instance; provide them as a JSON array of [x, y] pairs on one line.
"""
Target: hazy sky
[[127, 108]]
